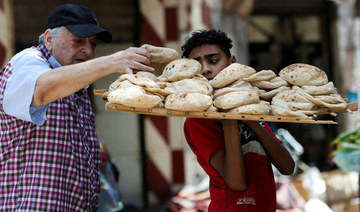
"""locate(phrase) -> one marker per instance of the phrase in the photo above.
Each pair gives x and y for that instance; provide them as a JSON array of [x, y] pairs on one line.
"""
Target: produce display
[[346, 150]]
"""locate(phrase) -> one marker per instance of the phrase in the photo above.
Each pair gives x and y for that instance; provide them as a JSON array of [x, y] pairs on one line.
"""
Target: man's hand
[[131, 59]]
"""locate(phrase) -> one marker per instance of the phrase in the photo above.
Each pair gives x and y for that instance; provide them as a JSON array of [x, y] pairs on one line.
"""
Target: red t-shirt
[[206, 137]]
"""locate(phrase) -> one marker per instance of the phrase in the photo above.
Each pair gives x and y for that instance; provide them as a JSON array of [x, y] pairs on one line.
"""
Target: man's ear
[[48, 39], [232, 59]]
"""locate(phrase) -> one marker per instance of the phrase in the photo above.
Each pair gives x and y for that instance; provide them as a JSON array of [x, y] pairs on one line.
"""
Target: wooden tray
[[220, 115]]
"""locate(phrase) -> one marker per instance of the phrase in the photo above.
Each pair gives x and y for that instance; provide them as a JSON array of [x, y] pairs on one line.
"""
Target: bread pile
[[310, 91], [300, 90], [179, 87], [135, 90], [188, 90], [235, 95]]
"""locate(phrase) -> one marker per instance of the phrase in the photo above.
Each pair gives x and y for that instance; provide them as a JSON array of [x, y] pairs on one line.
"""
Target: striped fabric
[[53, 167]]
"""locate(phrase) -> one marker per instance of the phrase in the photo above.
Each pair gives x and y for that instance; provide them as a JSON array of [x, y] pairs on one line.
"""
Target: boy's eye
[[213, 61]]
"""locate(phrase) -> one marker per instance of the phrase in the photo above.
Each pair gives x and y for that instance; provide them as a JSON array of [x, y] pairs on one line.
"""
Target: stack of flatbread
[[234, 93], [140, 89], [188, 90], [268, 83], [136, 90], [300, 89], [310, 92]]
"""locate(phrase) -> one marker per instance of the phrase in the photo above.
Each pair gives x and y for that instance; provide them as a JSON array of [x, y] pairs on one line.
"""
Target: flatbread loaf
[[180, 69], [341, 104], [157, 91], [326, 89], [270, 84], [239, 83], [261, 108], [188, 102], [225, 90], [301, 74], [262, 75], [123, 84], [139, 80], [280, 111], [160, 57], [147, 74], [236, 99], [133, 97], [294, 100], [192, 85], [230, 74], [268, 95]]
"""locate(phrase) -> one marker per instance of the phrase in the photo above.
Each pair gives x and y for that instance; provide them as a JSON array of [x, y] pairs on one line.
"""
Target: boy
[[237, 155]]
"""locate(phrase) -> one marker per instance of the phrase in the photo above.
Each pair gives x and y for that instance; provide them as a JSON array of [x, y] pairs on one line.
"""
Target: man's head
[[211, 48], [79, 20], [71, 34]]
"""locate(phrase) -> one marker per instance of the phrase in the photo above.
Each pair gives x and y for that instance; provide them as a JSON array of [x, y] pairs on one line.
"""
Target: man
[[49, 152], [237, 155]]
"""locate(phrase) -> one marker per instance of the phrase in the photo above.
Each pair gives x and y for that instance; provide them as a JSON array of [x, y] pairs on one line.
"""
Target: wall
[[114, 15]]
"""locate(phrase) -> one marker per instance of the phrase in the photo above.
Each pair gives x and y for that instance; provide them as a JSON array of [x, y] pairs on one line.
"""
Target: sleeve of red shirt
[[270, 131], [204, 137]]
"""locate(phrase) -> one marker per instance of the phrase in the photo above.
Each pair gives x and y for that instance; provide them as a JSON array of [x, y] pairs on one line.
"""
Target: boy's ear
[[232, 59]]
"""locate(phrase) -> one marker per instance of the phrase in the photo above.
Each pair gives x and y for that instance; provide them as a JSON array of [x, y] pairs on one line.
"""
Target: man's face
[[211, 58], [68, 48]]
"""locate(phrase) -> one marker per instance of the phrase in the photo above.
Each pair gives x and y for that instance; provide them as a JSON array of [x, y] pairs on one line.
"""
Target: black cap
[[79, 20]]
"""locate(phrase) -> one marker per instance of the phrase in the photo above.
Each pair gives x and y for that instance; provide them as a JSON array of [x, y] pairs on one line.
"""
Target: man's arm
[[66, 80]]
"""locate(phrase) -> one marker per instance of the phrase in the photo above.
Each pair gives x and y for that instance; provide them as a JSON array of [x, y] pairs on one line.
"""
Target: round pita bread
[[341, 104], [230, 74], [160, 57], [262, 75], [212, 108], [147, 74], [268, 95], [133, 97], [293, 99], [240, 84], [190, 86], [180, 69], [331, 98], [326, 89], [225, 90], [139, 80], [123, 84], [236, 99], [270, 84], [261, 108], [157, 91], [279, 111], [301, 74], [188, 102]]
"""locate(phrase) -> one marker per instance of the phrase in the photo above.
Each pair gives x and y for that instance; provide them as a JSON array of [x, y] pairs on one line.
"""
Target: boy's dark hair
[[211, 36]]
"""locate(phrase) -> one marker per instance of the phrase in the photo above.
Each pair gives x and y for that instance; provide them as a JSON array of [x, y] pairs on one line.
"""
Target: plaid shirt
[[52, 167]]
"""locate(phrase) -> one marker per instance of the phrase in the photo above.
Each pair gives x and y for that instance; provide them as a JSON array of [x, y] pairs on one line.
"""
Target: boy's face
[[211, 58]]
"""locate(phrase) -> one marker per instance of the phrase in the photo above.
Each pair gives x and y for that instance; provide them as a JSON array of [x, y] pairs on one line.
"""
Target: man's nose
[[88, 49]]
